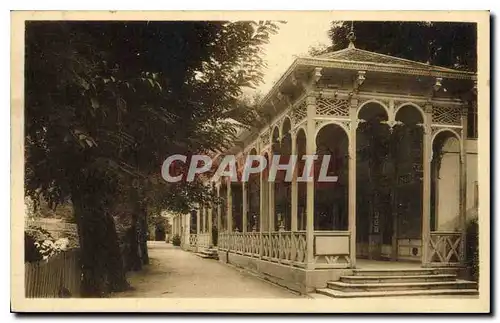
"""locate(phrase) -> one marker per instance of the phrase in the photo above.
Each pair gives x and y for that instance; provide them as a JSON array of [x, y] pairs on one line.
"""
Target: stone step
[[397, 278], [392, 286], [407, 293], [403, 271], [208, 253], [202, 255]]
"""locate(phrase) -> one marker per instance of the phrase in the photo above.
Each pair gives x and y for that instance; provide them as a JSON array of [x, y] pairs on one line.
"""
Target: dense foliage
[[449, 44], [472, 249], [107, 102]]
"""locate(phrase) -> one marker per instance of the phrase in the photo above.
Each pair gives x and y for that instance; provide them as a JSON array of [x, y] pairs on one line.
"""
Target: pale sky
[[294, 38]]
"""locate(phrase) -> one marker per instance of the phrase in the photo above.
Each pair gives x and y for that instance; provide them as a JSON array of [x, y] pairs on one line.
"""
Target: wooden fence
[[60, 276]]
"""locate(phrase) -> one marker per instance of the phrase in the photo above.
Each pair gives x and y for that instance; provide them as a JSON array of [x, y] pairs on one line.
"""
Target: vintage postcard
[[287, 162]]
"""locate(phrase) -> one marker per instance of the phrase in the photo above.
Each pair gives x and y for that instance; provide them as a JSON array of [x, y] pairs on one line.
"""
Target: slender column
[[294, 188], [198, 211], [210, 240], [188, 228], [176, 226], [310, 150], [262, 207], [463, 185], [245, 206], [203, 219], [426, 198], [219, 216], [229, 206], [352, 180], [271, 186], [205, 224]]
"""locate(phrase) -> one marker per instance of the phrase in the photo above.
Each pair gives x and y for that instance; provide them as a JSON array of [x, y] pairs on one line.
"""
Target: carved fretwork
[[298, 113], [332, 107], [446, 115], [265, 138]]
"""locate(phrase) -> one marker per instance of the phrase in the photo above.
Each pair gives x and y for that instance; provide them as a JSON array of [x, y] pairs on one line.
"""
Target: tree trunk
[[134, 255], [101, 260], [144, 238], [114, 266], [142, 232]]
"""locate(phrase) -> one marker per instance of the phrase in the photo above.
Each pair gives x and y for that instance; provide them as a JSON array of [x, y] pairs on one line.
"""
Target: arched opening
[[373, 197], [193, 223], [253, 196], [445, 182], [283, 189], [237, 205], [265, 196], [273, 187], [331, 198], [406, 156], [300, 142], [223, 205], [213, 206]]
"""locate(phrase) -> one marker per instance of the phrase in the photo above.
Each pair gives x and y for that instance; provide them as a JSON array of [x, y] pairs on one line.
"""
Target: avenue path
[[176, 273]]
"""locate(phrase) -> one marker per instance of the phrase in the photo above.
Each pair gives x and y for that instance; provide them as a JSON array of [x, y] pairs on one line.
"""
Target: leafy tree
[[449, 44], [107, 102]]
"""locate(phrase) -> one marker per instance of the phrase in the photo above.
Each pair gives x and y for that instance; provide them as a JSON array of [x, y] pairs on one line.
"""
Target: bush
[[176, 240], [472, 249], [31, 252], [39, 244]]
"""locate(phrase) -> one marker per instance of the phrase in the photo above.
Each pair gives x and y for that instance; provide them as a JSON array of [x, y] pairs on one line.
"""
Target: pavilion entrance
[[389, 184]]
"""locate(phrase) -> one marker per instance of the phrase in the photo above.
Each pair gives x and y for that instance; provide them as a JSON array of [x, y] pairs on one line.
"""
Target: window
[[472, 122]]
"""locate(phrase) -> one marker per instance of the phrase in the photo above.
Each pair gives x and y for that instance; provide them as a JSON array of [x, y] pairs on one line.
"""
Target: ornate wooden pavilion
[[402, 136]]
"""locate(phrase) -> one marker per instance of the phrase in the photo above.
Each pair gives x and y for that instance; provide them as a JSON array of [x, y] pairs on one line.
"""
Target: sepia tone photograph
[[310, 158]]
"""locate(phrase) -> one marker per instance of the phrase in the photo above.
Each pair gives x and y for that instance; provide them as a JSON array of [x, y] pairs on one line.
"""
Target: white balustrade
[[203, 240], [193, 239], [331, 249]]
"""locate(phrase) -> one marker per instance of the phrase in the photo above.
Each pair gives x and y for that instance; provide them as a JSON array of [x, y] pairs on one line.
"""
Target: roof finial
[[351, 36]]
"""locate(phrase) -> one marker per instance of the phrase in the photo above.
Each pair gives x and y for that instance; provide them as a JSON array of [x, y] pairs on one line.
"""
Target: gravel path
[[175, 273]]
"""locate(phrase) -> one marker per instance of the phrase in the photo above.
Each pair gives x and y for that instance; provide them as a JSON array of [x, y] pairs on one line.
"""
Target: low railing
[[445, 248], [203, 240], [251, 244], [193, 239], [331, 249], [283, 246]]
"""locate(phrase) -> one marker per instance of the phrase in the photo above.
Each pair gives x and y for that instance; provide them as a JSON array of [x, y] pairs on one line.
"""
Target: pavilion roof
[[352, 58], [353, 54]]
